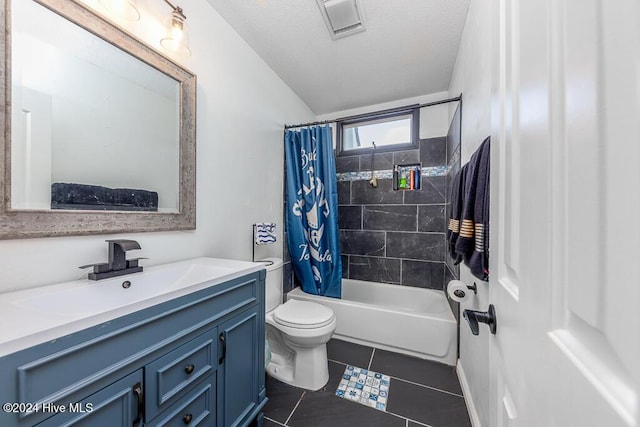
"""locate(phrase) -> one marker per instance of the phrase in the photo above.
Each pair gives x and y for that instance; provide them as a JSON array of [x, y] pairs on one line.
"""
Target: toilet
[[297, 333]]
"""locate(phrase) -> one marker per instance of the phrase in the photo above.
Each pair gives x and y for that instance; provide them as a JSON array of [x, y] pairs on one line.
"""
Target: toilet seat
[[303, 315]]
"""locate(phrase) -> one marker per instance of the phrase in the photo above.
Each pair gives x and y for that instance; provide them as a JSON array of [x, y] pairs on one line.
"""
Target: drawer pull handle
[[187, 418], [137, 390], [224, 348], [189, 369]]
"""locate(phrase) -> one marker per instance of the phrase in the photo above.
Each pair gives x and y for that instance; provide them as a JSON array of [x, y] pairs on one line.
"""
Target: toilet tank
[[273, 283]]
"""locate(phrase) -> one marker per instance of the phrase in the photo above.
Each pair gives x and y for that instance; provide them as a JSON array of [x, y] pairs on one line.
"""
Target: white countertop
[[34, 316]]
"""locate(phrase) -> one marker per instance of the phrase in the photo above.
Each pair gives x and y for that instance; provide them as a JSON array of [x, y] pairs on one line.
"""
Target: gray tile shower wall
[[393, 236]]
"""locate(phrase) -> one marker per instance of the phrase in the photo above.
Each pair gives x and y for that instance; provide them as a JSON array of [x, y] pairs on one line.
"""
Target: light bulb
[[176, 37], [122, 9]]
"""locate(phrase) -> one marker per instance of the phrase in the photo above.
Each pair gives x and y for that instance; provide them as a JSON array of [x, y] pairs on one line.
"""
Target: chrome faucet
[[118, 264]]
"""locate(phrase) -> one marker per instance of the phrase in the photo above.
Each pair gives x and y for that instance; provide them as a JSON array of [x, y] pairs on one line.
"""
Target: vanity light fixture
[[123, 9], [176, 38]]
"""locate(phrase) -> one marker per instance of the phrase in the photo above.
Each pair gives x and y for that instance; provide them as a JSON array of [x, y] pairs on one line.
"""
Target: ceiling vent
[[343, 17]]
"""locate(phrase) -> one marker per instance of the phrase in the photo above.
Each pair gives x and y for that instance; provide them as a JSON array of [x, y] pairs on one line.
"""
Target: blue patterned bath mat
[[365, 387]]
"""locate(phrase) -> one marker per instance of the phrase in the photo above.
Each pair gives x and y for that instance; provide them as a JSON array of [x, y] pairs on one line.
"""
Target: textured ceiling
[[408, 48]]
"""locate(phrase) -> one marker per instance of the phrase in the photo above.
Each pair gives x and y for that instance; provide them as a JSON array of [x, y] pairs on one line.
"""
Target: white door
[[565, 226]]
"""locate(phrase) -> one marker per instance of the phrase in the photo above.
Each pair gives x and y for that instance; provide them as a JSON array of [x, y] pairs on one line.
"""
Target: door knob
[[475, 317]]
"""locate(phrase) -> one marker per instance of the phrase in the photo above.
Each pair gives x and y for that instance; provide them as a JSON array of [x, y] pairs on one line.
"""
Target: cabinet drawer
[[197, 408], [167, 377]]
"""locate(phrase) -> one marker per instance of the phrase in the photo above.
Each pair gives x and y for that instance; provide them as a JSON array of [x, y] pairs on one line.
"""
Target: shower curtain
[[312, 210]]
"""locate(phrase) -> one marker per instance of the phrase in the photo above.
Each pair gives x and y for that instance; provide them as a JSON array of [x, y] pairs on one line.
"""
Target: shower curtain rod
[[391, 110]]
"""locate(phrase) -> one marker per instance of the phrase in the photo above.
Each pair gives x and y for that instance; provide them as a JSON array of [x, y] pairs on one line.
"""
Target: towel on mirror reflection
[[468, 234], [96, 197], [264, 233]]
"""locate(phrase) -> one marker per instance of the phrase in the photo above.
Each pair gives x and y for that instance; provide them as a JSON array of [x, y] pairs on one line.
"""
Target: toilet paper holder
[[460, 294]]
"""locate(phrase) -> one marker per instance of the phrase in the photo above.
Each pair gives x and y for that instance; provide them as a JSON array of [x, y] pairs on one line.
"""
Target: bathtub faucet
[[118, 263]]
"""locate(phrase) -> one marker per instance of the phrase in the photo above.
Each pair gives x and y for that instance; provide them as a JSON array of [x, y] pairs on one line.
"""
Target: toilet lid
[[303, 314]]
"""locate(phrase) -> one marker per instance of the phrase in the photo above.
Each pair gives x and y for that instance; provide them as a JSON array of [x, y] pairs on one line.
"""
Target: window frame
[[413, 112]]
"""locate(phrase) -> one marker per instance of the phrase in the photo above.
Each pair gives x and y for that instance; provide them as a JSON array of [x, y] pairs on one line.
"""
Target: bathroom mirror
[[98, 128]]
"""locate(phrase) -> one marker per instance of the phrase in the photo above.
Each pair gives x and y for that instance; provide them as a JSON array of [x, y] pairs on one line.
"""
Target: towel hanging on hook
[[468, 230]]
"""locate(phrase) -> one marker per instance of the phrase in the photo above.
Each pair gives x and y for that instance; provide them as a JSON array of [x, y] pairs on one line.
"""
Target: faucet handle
[[133, 262], [97, 268]]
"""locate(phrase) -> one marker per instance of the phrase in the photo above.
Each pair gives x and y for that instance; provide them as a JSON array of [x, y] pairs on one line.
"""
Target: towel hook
[[474, 288]]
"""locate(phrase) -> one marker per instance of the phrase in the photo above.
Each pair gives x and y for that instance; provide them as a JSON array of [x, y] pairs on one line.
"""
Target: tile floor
[[422, 393]]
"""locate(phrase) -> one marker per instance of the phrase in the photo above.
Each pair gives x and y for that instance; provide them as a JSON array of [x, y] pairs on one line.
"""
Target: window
[[395, 130]]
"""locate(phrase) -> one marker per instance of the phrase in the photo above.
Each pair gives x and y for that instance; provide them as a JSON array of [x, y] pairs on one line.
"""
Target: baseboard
[[466, 391]]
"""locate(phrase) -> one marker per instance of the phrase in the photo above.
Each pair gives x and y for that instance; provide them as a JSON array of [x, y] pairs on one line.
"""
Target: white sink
[[45, 313], [92, 297]]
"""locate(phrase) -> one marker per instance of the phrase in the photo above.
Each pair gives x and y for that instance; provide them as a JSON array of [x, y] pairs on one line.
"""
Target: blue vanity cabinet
[[195, 360]]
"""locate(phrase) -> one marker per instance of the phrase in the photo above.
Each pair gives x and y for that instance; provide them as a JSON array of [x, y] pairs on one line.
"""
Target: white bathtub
[[403, 319]]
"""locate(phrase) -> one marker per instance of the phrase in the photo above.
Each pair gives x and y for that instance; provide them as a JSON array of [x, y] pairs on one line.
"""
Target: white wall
[[242, 106], [472, 78]]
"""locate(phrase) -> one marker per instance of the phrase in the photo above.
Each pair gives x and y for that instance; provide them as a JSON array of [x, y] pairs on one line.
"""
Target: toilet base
[[299, 354], [307, 368]]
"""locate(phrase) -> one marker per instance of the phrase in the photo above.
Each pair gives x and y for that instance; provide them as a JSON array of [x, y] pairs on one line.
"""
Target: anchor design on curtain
[[312, 220]]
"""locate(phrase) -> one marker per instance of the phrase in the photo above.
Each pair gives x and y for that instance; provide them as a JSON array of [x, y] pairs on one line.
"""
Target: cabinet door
[[114, 405], [239, 370]]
